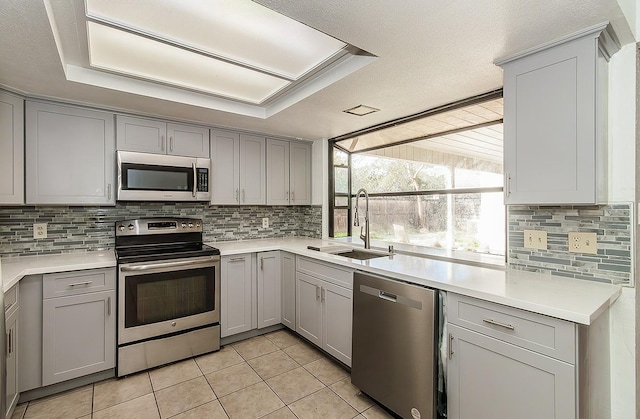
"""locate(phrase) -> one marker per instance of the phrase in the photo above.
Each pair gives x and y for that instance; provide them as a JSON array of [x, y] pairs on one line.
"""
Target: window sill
[[459, 256]]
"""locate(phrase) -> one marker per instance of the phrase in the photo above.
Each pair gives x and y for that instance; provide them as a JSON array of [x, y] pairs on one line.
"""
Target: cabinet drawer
[[78, 282], [546, 335], [328, 272], [11, 299]]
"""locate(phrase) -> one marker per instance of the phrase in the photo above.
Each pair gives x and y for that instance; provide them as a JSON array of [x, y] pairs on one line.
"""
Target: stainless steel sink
[[362, 254]]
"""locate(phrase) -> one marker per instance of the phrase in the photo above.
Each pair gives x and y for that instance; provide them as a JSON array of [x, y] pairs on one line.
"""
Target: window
[[443, 191]]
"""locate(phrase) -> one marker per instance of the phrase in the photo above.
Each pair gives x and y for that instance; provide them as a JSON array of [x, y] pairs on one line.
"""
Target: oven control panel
[[158, 226]]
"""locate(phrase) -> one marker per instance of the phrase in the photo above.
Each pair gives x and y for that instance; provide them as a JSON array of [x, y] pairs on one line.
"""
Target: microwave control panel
[[203, 180]]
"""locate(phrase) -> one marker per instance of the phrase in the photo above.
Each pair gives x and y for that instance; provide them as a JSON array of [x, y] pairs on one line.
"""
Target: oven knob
[[173, 324], [121, 227], [190, 225], [197, 225], [184, 225], [130, 227]]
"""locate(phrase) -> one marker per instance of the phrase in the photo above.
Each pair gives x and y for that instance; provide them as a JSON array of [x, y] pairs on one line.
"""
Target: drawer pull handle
[[237, 259], [77, 284], [495, 323], [450, 346]]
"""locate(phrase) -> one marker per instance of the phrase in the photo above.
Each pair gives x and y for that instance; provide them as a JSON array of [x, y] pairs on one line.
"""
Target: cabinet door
[[11, 149], [277, 172], [12, 361], [187, 140], [288, 290], [489, 378], [252, 170], [308, 308], [78, 336], [142, 135], [337, 320], [550, 125], [70, 155], [237, 291], [269, 289], [225, 162], [300, 174]]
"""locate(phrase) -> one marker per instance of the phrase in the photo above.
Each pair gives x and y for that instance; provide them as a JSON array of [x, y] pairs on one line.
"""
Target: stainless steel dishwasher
[[394, 344]]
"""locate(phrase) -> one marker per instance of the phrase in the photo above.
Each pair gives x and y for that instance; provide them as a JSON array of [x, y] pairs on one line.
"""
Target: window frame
[[333, 145]]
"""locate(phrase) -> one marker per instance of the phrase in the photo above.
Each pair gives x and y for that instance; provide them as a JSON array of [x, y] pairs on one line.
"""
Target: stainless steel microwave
[[159, 177]]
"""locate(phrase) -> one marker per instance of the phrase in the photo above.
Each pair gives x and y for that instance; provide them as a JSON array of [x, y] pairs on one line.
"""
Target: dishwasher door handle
[[387, 296]]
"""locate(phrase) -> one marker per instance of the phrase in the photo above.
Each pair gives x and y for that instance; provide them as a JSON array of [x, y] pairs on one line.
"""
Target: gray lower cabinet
[[289, 290], [324, 306], [269, 289], [79, 328], [237, 294], [11, 322], [504, 362], [489, 378]]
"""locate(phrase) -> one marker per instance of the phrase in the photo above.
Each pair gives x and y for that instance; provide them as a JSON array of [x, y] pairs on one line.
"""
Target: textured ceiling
[[430, 53]]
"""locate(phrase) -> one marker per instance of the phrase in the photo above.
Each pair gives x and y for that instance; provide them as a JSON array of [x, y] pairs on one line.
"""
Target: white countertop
[[13, 269], [570, 299], [575, 300]]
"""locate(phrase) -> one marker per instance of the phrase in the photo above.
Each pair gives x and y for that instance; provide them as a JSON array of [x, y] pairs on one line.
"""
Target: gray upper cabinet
[[555, 121], [187, 140], [70, 155], [252, 170], [278, 185], [238, 166], [153, 136], [11, 149], [288, 173], [225, 162], [300, 173]]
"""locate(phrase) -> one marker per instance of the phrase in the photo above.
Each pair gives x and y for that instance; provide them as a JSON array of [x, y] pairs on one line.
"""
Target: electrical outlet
[[40, 231], [535, 239], [265, 223], [583, 242]]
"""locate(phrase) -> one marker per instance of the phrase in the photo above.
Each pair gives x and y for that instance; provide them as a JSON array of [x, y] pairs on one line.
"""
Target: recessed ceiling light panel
[[270, 41], [126, 53], [361, 110]]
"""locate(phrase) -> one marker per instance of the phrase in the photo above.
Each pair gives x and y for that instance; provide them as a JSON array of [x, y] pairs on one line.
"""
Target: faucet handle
[[362, 236]]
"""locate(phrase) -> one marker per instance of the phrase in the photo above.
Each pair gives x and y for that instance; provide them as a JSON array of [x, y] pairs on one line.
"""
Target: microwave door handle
[[195, 179]]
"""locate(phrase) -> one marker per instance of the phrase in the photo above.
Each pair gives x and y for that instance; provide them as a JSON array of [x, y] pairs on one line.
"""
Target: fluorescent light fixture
[[126, 53], [239, 31], [230, 55], [361, 110]]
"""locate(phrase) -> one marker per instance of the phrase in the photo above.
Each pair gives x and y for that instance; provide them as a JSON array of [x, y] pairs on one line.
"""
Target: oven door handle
[[195, 262]]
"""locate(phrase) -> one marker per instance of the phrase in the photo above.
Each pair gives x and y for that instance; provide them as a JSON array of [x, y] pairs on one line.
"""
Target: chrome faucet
[[356, 221]]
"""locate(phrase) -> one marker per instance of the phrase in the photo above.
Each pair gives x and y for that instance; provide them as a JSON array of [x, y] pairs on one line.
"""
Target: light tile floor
[[273, 376]]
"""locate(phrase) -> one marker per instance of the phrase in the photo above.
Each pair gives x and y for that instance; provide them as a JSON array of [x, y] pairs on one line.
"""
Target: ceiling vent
[[361, 110]]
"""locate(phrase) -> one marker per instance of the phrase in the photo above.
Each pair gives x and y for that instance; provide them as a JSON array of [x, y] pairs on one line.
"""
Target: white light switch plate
[[583, 242], [535, 239], [265, 223], [40, 231]]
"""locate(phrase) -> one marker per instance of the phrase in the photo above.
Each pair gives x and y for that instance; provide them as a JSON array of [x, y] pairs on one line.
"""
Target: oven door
[[164, 297]]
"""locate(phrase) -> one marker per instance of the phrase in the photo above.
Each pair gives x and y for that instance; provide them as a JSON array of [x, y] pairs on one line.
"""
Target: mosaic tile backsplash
[[92, 228], [612, 224]]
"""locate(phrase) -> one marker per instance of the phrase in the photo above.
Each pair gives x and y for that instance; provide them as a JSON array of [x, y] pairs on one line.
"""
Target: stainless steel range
[[168, 292]]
